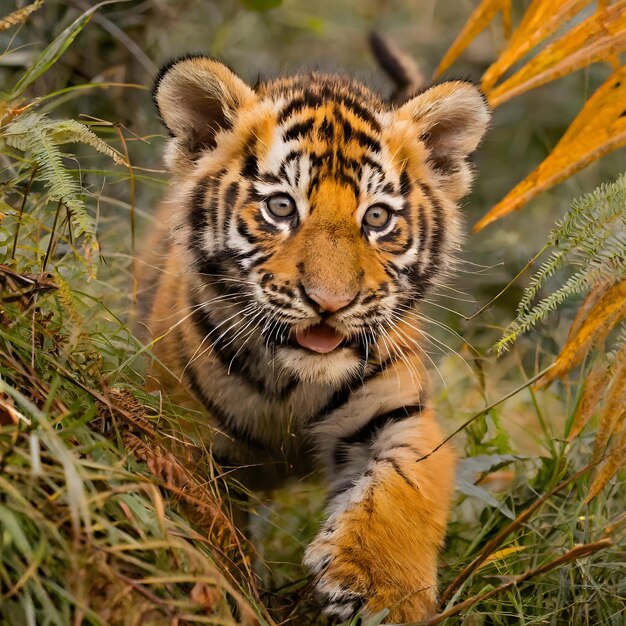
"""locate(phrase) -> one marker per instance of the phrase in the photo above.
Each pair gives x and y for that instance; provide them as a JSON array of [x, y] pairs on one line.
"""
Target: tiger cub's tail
[[402, 69]]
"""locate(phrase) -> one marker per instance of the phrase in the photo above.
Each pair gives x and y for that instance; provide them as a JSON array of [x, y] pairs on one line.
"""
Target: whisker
[[436, 343], [412, 340], [247, 338], [424, 318], [255, 315], [404, 358], [441, 306], [197, 354]]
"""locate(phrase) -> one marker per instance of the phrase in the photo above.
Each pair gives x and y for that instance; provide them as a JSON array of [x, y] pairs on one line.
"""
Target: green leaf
[[54, 51], [14, 532]]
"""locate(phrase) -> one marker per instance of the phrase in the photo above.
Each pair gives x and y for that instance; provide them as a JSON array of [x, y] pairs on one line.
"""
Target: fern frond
[[30, 133], [592, 237], [41, 137], [585, 228], [71, 131]]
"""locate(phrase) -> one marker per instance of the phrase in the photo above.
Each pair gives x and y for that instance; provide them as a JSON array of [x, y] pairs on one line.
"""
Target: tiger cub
[[307, 219]]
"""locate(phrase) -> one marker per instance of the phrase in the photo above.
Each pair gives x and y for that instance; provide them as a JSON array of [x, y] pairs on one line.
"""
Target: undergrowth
[[111, 510]]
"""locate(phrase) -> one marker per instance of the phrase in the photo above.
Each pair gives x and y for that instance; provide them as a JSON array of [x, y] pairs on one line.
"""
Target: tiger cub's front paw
[[374, 556], [356, 572], [339, 582]]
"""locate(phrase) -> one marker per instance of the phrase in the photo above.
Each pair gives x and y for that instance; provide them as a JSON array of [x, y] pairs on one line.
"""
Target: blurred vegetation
[[101, 521]]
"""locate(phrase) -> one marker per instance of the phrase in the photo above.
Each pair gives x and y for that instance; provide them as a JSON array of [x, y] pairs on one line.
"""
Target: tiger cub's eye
[[281, 205], [377, 216]]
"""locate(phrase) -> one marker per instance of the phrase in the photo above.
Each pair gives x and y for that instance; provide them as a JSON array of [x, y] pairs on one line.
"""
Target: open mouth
[[320, 338]]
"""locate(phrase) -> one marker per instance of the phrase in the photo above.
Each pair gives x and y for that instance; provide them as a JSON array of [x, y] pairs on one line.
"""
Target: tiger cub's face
[[331, 210]]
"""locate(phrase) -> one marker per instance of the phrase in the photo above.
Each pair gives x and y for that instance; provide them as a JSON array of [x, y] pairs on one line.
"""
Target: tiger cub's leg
[[379, 546]]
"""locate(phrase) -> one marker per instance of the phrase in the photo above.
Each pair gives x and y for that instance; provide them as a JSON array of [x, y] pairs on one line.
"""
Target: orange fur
[[388, 544]]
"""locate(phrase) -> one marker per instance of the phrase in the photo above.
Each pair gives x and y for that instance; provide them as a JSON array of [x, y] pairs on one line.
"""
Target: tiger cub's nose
[[330, 302]]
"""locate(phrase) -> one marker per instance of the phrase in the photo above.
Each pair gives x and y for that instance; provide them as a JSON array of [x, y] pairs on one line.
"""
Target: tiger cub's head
[[330, 210]]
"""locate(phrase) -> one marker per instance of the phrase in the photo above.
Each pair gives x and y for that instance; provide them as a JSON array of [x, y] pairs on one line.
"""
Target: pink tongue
[[320, 338]]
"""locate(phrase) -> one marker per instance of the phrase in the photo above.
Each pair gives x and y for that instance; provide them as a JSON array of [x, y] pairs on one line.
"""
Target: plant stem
[[578, 552], [19, 218], [494, 543]]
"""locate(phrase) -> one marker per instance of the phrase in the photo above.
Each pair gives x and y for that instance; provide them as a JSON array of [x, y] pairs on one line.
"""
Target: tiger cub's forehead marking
[[315, 139]]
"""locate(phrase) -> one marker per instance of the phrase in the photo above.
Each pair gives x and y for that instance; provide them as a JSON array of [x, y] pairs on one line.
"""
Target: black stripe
[[298, 130], [242, 256], [326, 130], [211, 270], [405, 183], [355, 107], [316, 96], [366, 141], [250, 167], [198, 213], [291, 156], [349, 164], [436, 237], [353, 134], [262, 259], [398, 470], [233, 360], [389, 188], [338, 399], [346, 179], [367, 433], [268, 177], [422, 224], [213, 211], [297, 104], [231, 195], [375, 165], [244, 231], [223, 421]]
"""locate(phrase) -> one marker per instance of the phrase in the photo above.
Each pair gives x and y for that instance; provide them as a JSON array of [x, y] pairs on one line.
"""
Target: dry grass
[[111, 509]]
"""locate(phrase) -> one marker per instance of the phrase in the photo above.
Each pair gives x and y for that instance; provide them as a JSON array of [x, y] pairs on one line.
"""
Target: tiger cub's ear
[[197, 98], [451, 119]]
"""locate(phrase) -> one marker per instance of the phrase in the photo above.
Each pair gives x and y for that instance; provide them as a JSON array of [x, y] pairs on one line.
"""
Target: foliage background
[[125, 43]]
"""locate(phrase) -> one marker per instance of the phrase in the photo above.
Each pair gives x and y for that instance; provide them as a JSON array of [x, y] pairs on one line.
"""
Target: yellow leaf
[[598, 129], [613, 463], [476, 23], [594, 386], [591, 325], [541, 19], [19, 16], [597, 38], [500, 554], [614, 407]]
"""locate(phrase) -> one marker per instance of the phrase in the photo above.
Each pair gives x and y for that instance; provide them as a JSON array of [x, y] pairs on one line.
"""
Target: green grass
[[102, 523]]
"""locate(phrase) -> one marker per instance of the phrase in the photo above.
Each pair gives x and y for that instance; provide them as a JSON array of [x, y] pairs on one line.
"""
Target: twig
[[488, 408], [574, 554], [19, 217], [52, 234], [131, 174], [494, 543], [116, 32]]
